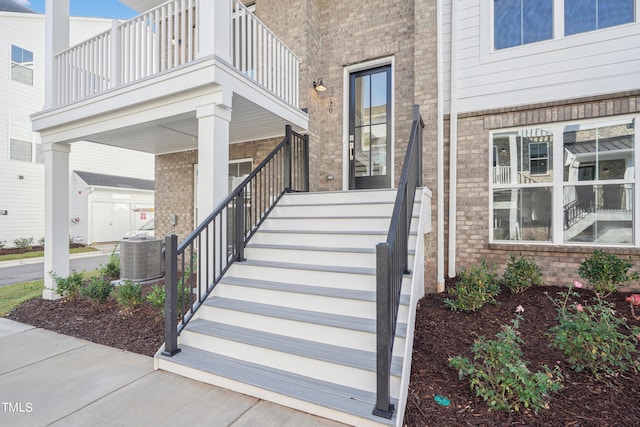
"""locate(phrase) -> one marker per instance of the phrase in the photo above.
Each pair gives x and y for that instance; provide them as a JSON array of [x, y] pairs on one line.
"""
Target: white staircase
[[295, 323]]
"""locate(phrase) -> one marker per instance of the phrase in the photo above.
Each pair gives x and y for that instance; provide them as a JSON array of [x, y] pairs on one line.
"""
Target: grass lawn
[[36, 254], [12, 296]]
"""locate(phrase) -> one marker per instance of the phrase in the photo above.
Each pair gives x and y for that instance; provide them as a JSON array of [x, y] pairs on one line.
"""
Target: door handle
[[351, 150]]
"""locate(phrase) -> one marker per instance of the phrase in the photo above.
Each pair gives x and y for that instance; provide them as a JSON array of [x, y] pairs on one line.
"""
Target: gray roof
[[103, 180], [13, 6], [624, 142]]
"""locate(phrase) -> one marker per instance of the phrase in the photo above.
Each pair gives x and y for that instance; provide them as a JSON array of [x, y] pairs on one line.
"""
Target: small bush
[[477, 286], [68, 287], [605, 272], [157, 297], [41, 241], [97, 289], [129, 295], [2, 243], [500, 376], [112, 268], [591, 336], [23, 243], [521, 273]]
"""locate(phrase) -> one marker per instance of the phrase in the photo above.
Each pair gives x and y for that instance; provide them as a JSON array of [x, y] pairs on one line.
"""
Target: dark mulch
[[139, 331], [440, 333]]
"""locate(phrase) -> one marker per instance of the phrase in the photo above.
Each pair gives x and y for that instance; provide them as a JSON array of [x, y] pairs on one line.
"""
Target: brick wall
[[174, 192], [558, 263]]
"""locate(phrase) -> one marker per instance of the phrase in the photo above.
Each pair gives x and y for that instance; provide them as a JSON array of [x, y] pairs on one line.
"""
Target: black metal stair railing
[[195, 266], [392, 263]]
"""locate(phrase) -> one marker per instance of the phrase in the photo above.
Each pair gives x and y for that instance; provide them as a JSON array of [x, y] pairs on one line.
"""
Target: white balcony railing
[[164, 38], [502, 175]]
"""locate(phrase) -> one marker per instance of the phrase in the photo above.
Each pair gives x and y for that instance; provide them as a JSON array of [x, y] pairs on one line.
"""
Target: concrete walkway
[[52, 379]]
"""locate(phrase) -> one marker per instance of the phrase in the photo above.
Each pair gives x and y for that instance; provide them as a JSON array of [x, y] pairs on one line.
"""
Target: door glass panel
[[379, 149], [363, 152], [379, 98], [362, 107]]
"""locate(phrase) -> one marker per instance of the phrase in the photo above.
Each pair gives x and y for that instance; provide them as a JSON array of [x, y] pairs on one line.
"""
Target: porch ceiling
[[249, 122]]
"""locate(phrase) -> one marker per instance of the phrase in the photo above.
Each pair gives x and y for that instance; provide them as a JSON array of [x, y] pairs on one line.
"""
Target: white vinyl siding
[[586, 64]]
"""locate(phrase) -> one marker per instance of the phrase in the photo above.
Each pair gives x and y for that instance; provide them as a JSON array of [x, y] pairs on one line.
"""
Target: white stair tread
[[346, 399], [353, 294], [310, 349], [310, 267], [316, 317], [367, 250], [347, 232]]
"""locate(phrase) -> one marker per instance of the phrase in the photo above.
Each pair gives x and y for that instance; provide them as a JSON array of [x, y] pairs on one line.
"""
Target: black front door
[[370, 128]]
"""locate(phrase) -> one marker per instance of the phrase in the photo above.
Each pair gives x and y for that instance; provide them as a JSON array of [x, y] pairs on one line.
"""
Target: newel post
[[383, 407], [287, 160], [171, 295]]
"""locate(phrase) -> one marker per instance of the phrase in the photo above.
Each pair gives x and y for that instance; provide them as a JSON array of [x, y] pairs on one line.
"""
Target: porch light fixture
[[319, 85]]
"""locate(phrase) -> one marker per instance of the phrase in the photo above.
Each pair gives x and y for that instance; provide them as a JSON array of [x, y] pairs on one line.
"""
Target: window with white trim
[[518, 22], [21, 65], [587, 15], [590, 198], [521, 22], [24, 146]]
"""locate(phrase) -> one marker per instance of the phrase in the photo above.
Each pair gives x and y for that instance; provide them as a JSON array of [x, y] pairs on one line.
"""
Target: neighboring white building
[[22, 190]]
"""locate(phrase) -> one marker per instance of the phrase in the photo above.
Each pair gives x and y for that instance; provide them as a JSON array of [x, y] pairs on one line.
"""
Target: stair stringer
[[417, 292]]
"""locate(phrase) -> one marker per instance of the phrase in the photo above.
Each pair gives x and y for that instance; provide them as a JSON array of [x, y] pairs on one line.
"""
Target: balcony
[[166, 38]]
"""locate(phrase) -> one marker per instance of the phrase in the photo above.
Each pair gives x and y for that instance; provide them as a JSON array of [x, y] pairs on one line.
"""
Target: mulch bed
[[440, 333], [139, 331], [10, 251]]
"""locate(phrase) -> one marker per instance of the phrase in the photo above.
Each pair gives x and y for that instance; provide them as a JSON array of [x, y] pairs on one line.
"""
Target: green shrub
[[157, 297], [41, 241], [2, 243], [591, 336], [112, 268], [68, 287], [605, 272], [97, 289], [129, 295], [477, 286], [23, 243], [500, 376], [521, 273]]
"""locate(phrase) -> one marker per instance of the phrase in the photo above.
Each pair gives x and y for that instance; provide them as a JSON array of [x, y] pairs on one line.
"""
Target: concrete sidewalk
[[52, 379]]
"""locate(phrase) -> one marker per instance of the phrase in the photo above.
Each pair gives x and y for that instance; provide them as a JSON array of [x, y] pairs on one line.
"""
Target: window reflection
[[518, 22], [588, 15], [593, 210]]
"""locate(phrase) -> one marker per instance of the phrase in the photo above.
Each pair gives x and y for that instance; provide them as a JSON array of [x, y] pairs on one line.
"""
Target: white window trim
[[347, 71], [557, 185], [559, 41], [33, 71]]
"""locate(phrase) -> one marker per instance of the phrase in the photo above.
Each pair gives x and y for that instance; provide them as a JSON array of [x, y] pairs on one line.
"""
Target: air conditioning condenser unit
[[141, 258]]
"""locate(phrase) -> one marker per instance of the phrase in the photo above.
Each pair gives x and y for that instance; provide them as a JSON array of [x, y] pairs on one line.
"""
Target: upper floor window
[[587, 15], [21, 65], [518, 22]]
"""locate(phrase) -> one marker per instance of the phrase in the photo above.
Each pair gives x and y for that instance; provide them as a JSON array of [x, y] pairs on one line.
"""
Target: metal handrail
[[195, 267], [392, 263]]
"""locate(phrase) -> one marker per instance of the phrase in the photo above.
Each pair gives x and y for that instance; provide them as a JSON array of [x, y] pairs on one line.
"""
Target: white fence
[[164, 38]]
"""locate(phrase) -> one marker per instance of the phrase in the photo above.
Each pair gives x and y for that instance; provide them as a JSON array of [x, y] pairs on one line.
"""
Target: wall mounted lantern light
[[319, 85]]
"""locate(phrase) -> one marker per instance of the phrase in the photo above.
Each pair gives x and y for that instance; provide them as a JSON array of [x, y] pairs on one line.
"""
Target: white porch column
[[213, 155], [56, 40], [56, 215], [214, 28]]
